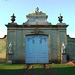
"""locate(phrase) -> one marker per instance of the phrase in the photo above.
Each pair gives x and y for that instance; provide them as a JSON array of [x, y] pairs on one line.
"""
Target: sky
[[52, 8]]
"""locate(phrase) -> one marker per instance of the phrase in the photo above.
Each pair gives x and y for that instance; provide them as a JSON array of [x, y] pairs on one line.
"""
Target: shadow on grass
[[8, 72], [66, 70], [40, 71], [23, 72]]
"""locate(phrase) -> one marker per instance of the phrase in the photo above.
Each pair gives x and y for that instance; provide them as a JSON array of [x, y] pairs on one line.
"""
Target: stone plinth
[[64, 58], [10, 57], [61, 24], [74, 59]]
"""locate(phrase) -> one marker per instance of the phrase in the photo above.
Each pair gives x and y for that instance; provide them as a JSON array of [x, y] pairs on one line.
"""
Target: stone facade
[[16, 34], [56, 35]]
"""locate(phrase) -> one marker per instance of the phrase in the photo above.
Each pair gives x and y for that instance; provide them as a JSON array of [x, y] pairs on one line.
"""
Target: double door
[[36, 49]]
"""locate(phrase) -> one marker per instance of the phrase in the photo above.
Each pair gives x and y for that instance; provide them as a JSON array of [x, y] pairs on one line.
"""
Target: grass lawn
[[12, 66], [10, 69], [64, 69], [14, 69], [38, 70]]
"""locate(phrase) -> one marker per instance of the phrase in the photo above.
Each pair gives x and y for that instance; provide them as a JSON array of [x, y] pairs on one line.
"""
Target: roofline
[[33, 26]]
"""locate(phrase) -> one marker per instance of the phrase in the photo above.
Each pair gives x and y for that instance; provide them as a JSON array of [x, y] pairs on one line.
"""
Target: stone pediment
[[37, 18], [40, 14]]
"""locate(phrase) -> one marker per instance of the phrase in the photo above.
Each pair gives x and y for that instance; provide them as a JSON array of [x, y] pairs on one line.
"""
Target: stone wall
[[3, 49], [71, 48]]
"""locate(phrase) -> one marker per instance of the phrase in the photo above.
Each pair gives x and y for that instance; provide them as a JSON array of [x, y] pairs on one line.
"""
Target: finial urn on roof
[[60, 18], [13, 18], [36, 10]]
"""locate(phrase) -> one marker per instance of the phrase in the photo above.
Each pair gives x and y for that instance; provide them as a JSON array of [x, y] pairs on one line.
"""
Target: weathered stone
[[37, 18], [61, 24], [64, 58], [17, 34]]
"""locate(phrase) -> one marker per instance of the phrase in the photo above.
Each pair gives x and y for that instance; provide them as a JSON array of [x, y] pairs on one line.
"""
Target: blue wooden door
[[36, 49]]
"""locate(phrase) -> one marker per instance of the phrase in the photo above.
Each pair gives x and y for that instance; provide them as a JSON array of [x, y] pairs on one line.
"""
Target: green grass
[[11, 66], [40, 71], [59, 65], [37, 71], [11, 69], [14, 69], [64, 69], [9, 72], [38, 66]]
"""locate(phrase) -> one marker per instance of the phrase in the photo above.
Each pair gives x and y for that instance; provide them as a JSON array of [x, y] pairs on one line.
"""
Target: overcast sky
[[52, 8]]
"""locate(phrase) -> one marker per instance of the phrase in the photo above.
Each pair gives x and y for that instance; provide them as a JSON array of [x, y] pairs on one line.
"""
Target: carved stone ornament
[[63, 47], [60, 18], [37, 31], [33, 41], [36, 10], [45, 39], [10, 47], [28, 39], [13, 18], [40, 41]]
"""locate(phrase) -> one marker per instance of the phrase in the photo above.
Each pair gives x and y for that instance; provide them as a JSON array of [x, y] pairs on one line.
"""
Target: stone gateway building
[[36, 40]]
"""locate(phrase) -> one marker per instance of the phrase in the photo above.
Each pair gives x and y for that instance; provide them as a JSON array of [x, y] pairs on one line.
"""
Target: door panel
[[36, 49], [30, 50]]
